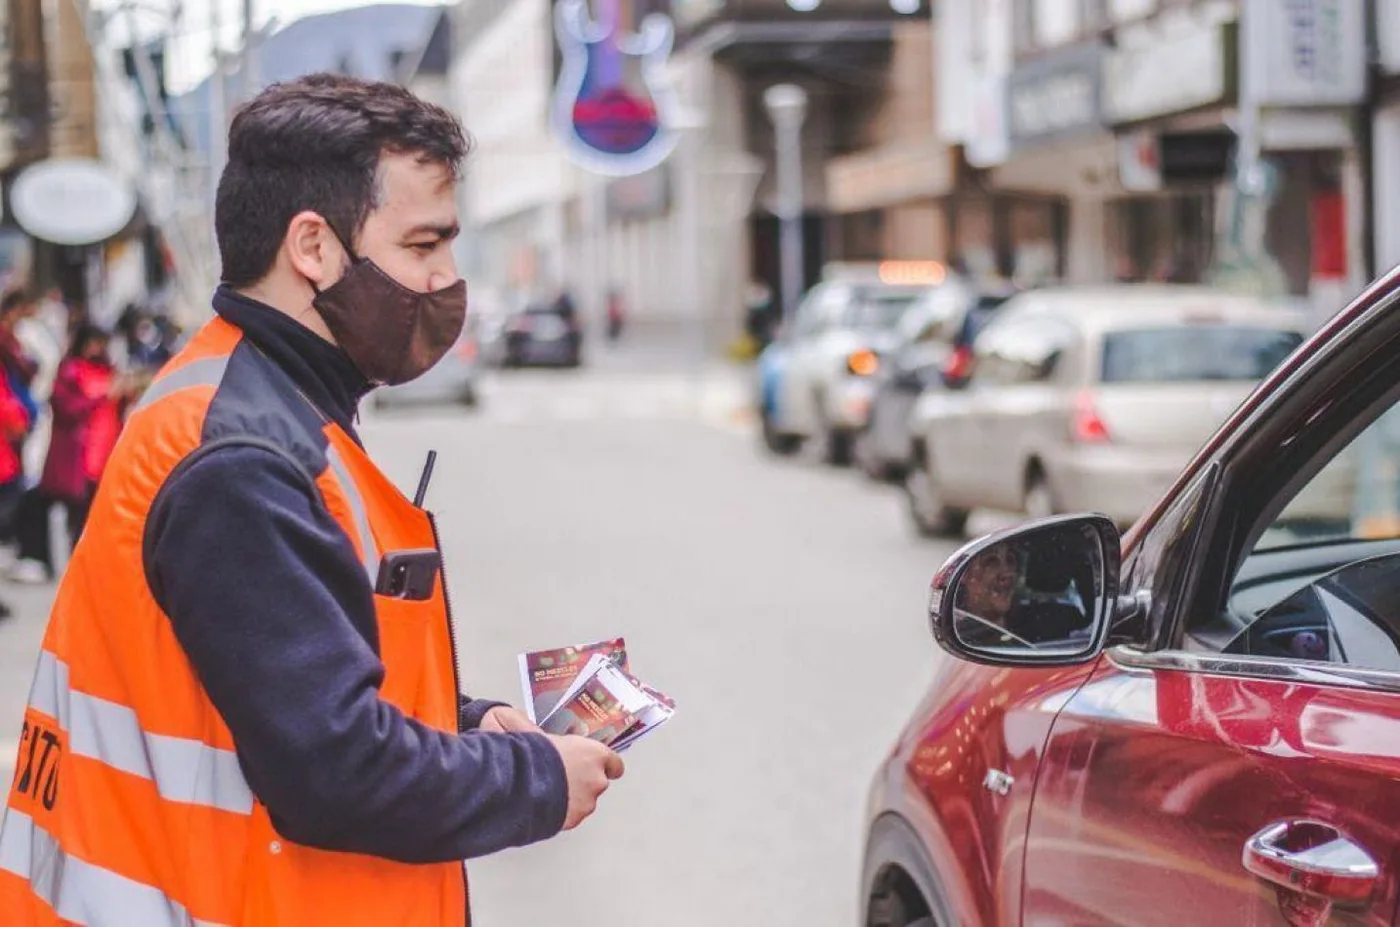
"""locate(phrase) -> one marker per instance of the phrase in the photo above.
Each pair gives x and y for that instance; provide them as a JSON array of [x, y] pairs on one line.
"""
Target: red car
[[1198, 723]]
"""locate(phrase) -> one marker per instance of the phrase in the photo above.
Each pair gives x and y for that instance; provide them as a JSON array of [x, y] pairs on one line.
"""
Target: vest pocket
[[405, 629]]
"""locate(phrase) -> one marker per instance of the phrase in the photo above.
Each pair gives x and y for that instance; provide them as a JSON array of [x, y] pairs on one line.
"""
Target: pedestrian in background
[[19, 369], [617, 315], [87, 405], [255, 614]]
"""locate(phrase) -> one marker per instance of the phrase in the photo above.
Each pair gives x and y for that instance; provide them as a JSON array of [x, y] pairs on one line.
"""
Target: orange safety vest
[[128, 806]]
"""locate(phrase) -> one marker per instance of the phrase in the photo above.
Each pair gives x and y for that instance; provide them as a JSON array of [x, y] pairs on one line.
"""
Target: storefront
[[1302, 72], [1052, 189], [1168, 98]]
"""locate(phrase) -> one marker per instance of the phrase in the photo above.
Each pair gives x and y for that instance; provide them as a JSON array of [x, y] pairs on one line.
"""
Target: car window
[[1322, 583], [811, 314], [879, 310], [1192, 353], [1024, 350]]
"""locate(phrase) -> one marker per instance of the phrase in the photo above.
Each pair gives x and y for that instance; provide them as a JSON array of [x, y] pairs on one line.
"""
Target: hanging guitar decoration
[[612, 104]]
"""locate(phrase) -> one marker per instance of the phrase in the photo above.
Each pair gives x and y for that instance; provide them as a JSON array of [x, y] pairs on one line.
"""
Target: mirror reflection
[[1037, 591]]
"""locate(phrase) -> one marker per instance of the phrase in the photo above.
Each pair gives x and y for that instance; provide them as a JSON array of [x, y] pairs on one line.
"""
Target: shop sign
[[1139, 162], [987, 141], [612, 105], [1305, 52], [1056, 96], [72, 201], [1173, 75]]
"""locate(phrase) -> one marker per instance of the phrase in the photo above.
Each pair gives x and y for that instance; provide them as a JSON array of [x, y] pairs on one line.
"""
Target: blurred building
[[1097, 140], [1385, 158], [682, 241]]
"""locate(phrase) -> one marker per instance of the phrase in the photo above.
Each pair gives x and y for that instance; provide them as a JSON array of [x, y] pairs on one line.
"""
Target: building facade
[[1104, 136]]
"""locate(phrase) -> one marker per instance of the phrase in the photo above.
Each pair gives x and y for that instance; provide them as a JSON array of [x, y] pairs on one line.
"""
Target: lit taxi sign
[[912, 273]]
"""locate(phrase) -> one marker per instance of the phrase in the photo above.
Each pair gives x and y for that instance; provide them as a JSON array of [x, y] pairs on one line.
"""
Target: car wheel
[[1039, 501], [783, 445], [469, 397], [931, 515]]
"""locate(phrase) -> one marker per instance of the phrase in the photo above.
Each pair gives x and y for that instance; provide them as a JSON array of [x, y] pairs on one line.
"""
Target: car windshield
[[881, 311], [1190, 353]]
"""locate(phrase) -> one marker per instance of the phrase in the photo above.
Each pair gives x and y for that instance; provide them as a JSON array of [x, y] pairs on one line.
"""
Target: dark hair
[[85, 334], [314, 144], [14, 299]]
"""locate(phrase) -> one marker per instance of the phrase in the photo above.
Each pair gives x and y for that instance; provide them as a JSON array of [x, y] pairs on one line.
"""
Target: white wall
[[501, 81], [1124, 10], [1387, 187], [1388, 34], [1057, 22]]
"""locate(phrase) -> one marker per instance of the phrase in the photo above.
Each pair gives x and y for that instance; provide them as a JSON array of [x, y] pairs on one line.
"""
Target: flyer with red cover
[[545, 675], [590, 691]]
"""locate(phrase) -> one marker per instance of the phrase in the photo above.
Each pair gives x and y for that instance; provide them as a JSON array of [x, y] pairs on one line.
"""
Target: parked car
[[936, 335], [830, 352], [454, 379], [544, 334], [1192, 724], [1088, 398], [769, 368]]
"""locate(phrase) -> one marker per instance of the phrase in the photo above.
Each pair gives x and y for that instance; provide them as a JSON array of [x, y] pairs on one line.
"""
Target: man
[[243, 712]]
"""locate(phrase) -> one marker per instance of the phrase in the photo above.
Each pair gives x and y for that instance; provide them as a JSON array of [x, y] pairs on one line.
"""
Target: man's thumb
[[613, 766]]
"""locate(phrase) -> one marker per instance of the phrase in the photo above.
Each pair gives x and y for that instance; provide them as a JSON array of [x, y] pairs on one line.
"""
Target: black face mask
[[391, 333]]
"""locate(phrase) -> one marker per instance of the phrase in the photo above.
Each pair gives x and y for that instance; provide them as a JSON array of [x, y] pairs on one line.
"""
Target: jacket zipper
[[456, 675], [451, 628]]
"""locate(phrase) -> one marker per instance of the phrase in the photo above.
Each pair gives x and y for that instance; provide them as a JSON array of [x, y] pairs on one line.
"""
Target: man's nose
[[444, 274]]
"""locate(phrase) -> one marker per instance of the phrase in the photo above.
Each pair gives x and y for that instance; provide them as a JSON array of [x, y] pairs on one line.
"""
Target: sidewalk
[[20, 637]]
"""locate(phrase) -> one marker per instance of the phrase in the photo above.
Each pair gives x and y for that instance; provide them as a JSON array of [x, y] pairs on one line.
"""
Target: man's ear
[[312, 249]]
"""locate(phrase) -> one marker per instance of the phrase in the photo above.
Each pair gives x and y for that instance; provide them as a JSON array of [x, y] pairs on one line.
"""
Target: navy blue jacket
[[270, 602]]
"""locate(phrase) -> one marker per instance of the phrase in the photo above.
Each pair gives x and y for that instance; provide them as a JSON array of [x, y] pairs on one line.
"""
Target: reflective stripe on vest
[[79, 892], [208, 371], [183, 770], [368, 551]]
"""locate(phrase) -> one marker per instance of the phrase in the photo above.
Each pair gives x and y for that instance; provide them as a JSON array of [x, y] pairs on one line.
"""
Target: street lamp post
[[787, 108]]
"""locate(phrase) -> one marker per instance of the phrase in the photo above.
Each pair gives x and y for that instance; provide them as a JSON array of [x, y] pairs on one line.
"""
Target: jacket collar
[[322, 371]]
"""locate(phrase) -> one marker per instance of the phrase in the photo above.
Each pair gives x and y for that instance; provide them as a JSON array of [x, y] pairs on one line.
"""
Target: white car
[[1090, 399], [830, 352]]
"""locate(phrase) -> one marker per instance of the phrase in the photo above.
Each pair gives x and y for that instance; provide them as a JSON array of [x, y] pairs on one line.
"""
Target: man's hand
[[503, 720], [589, 767]]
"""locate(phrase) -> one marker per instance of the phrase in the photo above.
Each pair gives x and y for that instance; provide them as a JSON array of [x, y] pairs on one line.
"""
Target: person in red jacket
[[14, 425], [87, 402]]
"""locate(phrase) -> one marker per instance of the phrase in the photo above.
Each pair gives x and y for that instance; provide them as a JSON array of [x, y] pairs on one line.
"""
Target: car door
[[1241, 764], [1022, 419]]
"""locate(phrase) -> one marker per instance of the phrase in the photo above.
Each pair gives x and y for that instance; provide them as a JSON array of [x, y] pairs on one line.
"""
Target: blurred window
[[815, 312], [1194, 353], [1024, 350], [879, 310]]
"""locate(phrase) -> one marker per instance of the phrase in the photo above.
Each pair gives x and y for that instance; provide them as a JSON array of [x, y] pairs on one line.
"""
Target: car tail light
[[1087, 426], [959, 364], [863, 363], [466, 349]]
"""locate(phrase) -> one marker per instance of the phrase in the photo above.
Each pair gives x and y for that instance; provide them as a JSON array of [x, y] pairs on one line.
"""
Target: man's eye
[[425, 247]]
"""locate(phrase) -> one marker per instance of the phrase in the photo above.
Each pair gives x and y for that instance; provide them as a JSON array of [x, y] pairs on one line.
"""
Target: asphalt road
[[780, 603]]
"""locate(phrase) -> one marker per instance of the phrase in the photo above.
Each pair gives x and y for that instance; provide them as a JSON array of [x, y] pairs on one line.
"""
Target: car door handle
[[1313, 858]]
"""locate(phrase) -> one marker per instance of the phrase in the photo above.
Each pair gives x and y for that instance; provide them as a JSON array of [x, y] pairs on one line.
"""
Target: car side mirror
[[1044, 594]]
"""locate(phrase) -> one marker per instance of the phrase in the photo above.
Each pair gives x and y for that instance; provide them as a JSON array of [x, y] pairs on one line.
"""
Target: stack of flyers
[[590, 691]]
